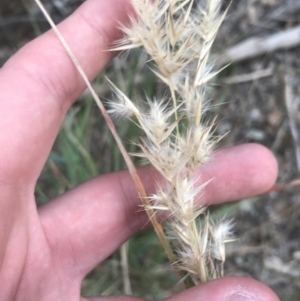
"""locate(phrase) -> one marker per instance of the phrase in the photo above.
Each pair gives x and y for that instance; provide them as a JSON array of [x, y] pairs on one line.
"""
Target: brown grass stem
[[133, 171]]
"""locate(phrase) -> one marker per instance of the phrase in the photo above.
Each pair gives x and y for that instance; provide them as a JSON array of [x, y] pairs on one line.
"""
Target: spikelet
[[178, 36]]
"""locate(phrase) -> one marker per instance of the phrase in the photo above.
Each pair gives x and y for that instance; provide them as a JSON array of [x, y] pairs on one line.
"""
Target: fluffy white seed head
[[197, 145], [122, 107], [174, 33], [178, 36], [157, 123], [222, 233], [164, 157]]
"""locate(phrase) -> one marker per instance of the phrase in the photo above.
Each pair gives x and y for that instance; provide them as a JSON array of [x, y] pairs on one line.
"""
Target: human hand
[[46, 252]]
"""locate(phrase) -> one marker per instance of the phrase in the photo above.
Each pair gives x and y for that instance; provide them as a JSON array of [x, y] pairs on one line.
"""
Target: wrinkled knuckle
[[100, 31]]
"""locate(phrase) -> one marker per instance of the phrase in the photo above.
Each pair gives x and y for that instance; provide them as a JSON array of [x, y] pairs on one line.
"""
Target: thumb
[[228, 289]]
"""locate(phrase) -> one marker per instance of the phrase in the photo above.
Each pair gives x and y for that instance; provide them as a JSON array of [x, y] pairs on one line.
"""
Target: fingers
[[39, 83], [238, 173], [228, 289], [94, 219]]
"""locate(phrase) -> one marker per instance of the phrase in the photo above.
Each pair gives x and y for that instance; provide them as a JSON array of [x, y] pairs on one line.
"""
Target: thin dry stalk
[[248, 77], [134, 174], [283, 186], [293, 105], [125, 269], [257, 46]]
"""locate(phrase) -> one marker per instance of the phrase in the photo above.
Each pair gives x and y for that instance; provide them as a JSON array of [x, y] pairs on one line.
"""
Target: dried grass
[[178, 36]]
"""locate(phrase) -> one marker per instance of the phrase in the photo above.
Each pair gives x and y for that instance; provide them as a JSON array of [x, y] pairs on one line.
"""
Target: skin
[[46, 252]]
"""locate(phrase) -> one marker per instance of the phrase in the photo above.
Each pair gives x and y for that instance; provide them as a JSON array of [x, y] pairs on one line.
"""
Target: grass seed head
[[178, 36]]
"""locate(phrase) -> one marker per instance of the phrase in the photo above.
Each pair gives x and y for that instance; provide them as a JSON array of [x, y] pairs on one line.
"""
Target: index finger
[[40, 83]]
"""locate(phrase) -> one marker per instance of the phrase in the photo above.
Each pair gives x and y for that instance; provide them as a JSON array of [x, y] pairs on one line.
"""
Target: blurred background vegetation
[[252, 110]]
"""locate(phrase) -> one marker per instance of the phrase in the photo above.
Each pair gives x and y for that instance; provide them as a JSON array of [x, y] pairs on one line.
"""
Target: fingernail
[[242, 297]]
